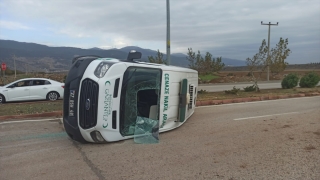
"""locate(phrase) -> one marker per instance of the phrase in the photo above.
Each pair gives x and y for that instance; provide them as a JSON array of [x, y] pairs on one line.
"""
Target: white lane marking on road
[[232, 104], [265, 116], [23, 121]]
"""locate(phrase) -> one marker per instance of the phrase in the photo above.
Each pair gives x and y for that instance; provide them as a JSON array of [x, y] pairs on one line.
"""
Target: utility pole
[[168, 32], [268, 57]]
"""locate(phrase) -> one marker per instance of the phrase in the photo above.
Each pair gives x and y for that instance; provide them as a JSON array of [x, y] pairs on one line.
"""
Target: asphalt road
[[228, 86], [276, 139]]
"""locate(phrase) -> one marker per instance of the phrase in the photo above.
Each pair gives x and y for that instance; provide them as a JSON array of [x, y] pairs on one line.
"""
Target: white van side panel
[[169, 101]]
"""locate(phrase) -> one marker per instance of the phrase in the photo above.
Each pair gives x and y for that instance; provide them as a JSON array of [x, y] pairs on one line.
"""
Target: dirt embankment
[[241, 73]]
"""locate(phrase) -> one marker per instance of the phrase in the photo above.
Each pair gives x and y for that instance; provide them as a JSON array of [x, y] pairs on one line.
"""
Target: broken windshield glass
[[140, 96], [146, 131]]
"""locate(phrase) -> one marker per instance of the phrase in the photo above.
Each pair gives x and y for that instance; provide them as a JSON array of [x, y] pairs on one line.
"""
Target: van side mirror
[[134, 55]]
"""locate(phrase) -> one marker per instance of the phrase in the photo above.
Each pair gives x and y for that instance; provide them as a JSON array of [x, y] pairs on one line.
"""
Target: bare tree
[[257, 62], [278, 55]]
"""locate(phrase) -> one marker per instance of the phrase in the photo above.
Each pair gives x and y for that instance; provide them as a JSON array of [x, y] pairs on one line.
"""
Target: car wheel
[[52, 96], [2, 99]]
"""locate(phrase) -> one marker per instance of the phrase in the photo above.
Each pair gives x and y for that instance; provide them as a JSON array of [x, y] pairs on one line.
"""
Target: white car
[[31, 89]]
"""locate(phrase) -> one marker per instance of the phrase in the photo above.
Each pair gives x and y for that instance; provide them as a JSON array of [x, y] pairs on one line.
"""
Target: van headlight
[[101, 69]]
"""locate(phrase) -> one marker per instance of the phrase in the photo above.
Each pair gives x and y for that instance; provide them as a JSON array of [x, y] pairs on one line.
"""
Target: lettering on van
[[107, 108], [166, 103], [166, 99]]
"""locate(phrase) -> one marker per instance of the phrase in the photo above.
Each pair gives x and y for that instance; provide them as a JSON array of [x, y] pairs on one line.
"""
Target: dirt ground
[[54, 76], [244, 76], [228, 75]]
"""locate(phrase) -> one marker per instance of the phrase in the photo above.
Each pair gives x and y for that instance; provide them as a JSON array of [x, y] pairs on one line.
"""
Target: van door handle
[[44, 88], [26, 89]]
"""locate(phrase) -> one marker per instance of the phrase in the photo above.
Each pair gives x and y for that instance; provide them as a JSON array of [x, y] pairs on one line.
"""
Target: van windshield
[[140, 97]]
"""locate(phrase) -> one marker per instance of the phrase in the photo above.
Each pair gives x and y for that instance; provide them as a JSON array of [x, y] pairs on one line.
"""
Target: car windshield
[[140, 96]]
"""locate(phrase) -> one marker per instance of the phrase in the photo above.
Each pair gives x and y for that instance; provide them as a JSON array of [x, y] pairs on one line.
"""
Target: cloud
[[105, 47], [228, 28], [13, 25], [73, 33], [121, 42]]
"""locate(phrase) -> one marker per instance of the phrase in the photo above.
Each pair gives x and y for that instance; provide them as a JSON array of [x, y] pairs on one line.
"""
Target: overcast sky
[[227, 28]]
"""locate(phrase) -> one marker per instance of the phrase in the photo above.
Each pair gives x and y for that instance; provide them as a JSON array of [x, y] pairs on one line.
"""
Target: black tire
[[52, 96], [2, 99]]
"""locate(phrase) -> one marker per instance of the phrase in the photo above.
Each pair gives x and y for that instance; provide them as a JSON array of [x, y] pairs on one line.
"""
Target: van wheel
[[52, 96], [2, 99]]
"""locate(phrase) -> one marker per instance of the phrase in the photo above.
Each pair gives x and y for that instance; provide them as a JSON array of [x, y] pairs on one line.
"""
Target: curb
[[250, 99], [26, 116], [58, 114]]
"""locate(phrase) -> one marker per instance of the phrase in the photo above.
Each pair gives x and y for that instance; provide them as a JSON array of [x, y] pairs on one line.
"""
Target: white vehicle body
[[31, 89], [106, 107]]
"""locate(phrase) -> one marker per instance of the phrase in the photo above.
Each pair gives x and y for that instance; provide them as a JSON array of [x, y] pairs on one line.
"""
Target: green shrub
[[309, 80], [250, 88], [234, 90], [290, 81], [202, 91]]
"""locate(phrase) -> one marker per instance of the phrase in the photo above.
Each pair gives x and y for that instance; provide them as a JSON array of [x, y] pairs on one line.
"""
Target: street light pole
[[268, 57], [168, 32]]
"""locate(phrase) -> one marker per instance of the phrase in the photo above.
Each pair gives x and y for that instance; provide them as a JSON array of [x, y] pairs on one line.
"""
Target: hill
[[36, 57]]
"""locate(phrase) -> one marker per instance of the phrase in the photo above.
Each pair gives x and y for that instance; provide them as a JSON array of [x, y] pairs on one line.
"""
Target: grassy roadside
[[24, 108], [207, 77], [30, 108], [263, 92]]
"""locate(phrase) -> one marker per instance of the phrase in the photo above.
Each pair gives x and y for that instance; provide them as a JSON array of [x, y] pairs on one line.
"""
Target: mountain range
[[37, 57]]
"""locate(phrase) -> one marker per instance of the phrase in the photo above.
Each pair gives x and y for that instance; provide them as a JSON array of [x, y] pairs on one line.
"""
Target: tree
[[217, 64], [211, 64], [276, 58], [191, 58], [257, 62], [157, 59], [195, 60], [278, 55], [199, 63], [205, 65]]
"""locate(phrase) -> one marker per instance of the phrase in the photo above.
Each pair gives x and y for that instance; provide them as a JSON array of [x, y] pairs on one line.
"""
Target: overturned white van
[[104, 97]]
